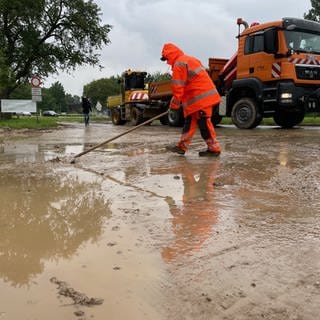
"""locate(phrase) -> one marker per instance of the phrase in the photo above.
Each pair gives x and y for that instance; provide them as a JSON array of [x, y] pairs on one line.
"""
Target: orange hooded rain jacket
[[191, 85]]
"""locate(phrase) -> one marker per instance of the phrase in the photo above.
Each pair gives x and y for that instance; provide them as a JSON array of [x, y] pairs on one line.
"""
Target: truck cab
[[133, 80], [274, 73]]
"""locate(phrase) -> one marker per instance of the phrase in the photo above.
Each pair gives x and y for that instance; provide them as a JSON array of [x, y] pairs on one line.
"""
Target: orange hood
[[171, 53]]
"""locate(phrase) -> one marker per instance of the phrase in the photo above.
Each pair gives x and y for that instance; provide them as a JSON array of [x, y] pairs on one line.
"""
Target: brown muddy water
[[131, 231]]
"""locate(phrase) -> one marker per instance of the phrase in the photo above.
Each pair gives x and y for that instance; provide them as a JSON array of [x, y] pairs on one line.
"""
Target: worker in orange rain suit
[[194, 90]]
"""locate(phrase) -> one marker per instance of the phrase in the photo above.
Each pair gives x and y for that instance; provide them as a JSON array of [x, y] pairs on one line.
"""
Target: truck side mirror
[[271, 41]]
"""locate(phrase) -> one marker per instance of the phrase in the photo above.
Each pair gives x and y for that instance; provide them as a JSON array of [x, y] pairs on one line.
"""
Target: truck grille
[[308, 72]]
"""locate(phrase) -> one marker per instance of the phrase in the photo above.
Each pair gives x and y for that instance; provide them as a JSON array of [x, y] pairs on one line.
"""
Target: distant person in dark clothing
[[86, 108]]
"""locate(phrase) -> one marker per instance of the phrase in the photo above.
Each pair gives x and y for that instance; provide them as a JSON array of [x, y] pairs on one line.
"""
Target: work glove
[[174, 104]]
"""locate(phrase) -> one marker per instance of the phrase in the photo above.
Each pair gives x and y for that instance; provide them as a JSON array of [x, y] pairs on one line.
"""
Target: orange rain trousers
[[202, 120]]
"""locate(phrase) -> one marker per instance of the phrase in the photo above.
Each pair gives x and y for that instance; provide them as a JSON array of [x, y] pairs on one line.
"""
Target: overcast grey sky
[[202, 28]]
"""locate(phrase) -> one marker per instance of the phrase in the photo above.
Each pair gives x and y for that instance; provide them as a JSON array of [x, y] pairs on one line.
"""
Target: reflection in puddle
[[52, 151], [283, 154], [43, 218], [69, 149], [195, 213], [13, 153], [20, 153]]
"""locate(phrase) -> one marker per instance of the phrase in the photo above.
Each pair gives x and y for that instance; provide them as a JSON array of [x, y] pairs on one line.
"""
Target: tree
[[72, 100], [48, 101], [40, 37], [54, 98], [57, 91], [99, 90], [23, 92], [314, 12], [157, 76]]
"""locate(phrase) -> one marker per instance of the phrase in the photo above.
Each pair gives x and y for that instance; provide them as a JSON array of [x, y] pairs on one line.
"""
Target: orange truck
[[274, 73]]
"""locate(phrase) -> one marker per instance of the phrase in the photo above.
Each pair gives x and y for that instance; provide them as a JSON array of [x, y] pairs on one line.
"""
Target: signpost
[[36, 90]]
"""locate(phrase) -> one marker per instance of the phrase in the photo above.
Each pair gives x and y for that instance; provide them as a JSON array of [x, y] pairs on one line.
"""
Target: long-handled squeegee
[[118, 136]]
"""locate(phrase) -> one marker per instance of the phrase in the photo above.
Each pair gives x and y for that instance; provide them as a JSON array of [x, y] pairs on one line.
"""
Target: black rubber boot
[[207, 153], [175, 149]]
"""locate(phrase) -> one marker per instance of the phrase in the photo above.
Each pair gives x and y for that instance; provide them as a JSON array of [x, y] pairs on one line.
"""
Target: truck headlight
[[286, 97]]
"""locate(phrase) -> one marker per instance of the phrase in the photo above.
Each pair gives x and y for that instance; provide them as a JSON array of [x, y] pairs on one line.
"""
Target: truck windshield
[[302, 41]]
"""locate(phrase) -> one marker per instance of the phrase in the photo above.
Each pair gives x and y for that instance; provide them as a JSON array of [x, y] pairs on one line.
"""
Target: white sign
[[12, 106], [36, 94], [37, 98], [98, 106], [36, 91]]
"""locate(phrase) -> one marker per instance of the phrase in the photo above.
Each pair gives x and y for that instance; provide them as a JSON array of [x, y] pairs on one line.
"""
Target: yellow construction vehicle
[[133, 104]]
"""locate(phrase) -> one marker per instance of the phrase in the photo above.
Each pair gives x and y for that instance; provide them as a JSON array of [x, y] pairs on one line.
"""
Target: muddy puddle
[[131, 231]]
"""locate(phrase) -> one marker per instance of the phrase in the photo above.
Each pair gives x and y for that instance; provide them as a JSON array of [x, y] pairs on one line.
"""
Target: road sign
[[35, 81], [36, 94], [98, 106], [37, 98], [36, 91]]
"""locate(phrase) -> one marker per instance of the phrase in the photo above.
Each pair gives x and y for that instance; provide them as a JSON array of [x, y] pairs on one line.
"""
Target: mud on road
[[131, 231]]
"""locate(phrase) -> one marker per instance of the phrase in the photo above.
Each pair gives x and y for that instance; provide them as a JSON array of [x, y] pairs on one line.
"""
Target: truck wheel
[[245, 114], [164, 120], [216, 118], [116, 117], [136, 116], [288, 119], [175, 118]]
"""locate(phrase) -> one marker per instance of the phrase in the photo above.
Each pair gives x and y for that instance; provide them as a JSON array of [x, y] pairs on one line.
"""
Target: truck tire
[[216, 118], [116, 117], [136, 116], [288, 119], [245, 114], [164, 120], [175, 118]]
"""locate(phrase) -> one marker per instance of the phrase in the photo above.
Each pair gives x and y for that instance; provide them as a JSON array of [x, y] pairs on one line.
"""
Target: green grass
[[311, 120], [42, 122], [308, 120], [54, 122], [29, 123]]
